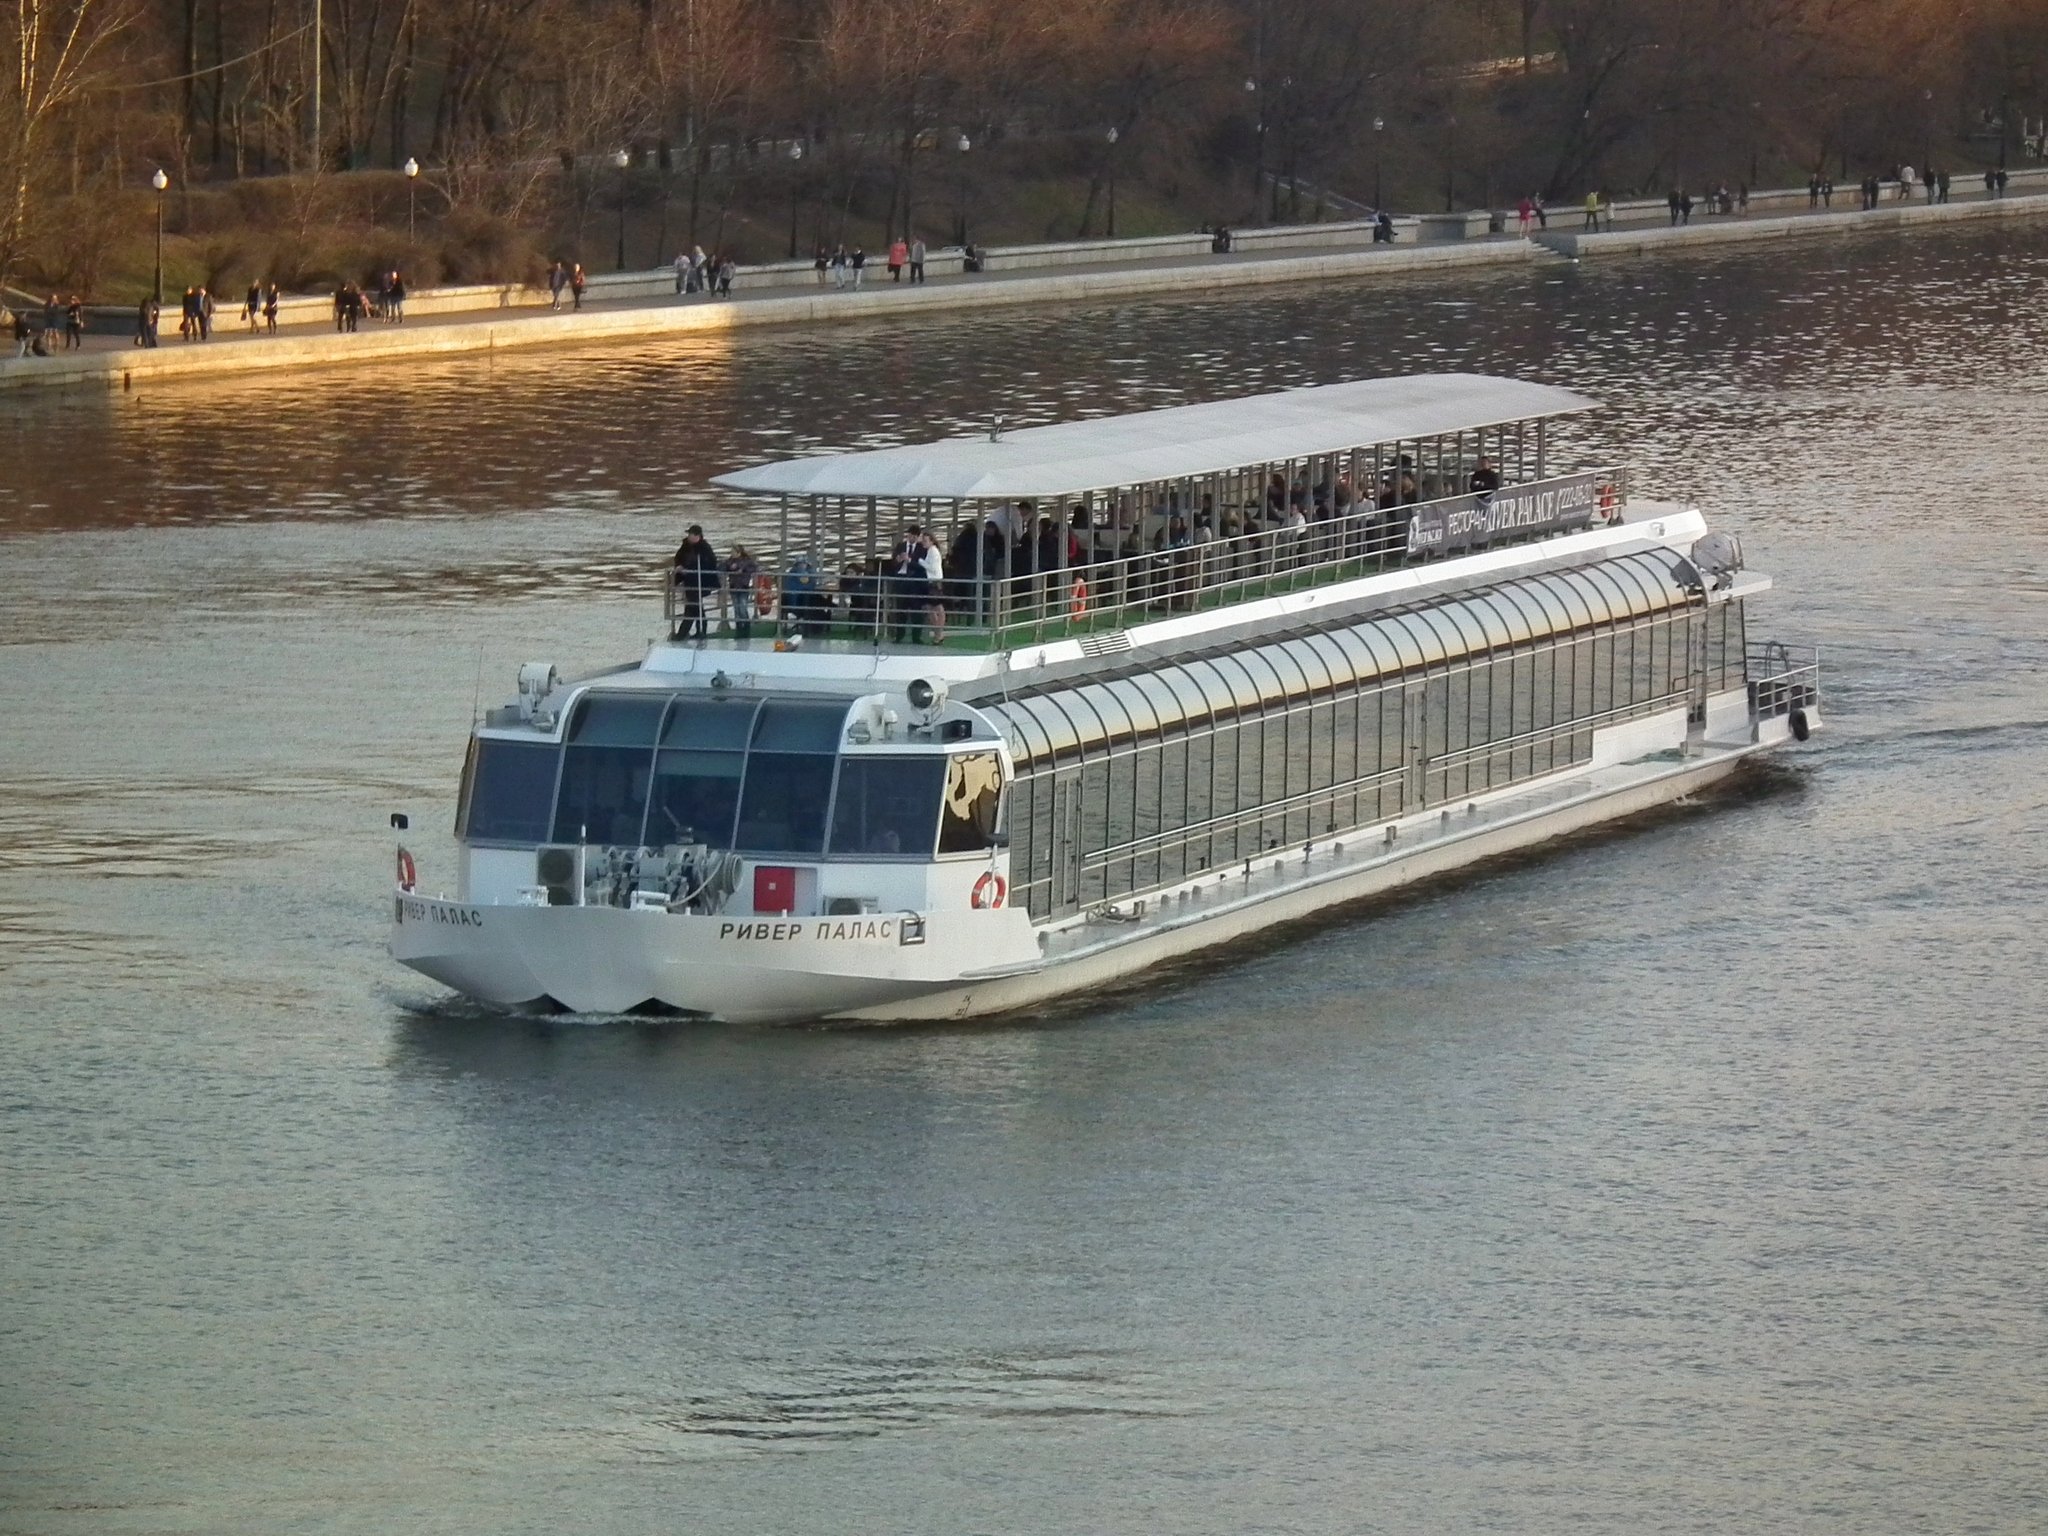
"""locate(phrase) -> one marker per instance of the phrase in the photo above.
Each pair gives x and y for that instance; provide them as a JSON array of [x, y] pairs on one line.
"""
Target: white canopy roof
[[1173, 444]]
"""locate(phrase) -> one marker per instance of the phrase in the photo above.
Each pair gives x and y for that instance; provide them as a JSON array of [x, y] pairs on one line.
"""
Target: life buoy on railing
[[764, 596], [1078, 603], [1609, 503], [408, 877], [990, 890]]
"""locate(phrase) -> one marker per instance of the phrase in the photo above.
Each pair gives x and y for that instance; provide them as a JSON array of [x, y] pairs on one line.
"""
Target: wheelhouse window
[[888, 806], [788, 786], [974, 791], [511, 790], [697, 772], [606, 768]]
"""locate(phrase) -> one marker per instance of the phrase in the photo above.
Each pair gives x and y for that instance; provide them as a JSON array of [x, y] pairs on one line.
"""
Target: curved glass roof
[[1058, 721], [1178, 443]]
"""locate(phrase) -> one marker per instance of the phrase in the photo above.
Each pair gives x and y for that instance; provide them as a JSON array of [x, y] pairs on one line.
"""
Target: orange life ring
[[764, 596], [1079, 604], [990, 890], [1607, 503], [408, 876]]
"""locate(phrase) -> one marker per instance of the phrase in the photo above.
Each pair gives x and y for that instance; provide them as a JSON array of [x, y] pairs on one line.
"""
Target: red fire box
[[774, 888]]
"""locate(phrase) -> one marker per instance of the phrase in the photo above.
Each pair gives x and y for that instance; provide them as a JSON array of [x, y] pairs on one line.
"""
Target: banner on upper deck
[[1466, 523]]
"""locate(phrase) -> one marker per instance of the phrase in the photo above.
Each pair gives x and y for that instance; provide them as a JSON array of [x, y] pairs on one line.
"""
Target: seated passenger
[[1485, 478]]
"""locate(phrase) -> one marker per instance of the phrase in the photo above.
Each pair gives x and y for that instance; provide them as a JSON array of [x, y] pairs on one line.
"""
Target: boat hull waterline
[[754, 970]]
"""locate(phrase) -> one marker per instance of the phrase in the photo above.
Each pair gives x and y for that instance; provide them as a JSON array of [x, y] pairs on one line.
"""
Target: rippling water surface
[[1687, 1179]]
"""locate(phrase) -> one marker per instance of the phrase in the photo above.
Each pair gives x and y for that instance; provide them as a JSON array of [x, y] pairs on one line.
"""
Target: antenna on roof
[[995, 433]]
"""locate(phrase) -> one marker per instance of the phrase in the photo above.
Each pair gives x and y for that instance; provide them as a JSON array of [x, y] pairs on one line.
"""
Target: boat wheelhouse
[[1171, 678]]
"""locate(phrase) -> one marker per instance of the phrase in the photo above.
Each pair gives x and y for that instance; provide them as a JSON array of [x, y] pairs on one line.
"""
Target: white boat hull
[[753, 970]]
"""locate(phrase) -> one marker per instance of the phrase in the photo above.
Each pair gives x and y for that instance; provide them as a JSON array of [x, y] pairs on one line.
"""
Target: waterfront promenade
[[632, 305]]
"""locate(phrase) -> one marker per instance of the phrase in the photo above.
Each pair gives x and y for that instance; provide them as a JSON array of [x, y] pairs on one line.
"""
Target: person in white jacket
[[934, 565]]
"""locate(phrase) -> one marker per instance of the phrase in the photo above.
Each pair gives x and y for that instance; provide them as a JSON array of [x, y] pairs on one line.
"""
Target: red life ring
[[408, 877], [990, 890], [764, 596], [1079, 606], [1607, 503]]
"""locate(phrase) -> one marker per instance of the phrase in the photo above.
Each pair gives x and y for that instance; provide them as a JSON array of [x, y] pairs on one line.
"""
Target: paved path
[[110, 358]]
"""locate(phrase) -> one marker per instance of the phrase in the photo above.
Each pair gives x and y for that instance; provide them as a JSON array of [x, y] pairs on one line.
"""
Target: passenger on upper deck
[[1485, 478], [696, 573], [741, 571]]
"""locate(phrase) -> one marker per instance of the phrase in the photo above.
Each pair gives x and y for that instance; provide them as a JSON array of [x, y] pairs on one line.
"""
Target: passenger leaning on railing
[[696, 574]]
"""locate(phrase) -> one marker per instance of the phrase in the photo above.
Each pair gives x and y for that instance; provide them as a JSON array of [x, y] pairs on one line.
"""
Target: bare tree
[[57, 52]]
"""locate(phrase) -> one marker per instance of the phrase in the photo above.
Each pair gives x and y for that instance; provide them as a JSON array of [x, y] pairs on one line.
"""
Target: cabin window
[[695, 797], [696, 792], [606, 768], [512, 789], [789, 778], [887, 806]]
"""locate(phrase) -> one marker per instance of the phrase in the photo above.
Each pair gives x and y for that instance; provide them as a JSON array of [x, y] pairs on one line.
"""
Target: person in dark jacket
[[696, 573]]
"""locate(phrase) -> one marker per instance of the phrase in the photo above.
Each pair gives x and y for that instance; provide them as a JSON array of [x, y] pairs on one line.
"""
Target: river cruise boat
[[1185, 676]]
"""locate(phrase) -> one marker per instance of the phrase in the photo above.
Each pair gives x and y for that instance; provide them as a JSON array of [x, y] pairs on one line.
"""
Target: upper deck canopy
[[1178, 443]]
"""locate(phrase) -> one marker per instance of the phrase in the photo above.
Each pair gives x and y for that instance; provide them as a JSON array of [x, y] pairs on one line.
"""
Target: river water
[[1687, 1179]]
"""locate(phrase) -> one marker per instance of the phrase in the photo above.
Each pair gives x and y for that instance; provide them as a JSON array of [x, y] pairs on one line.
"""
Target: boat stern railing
[[1782, 678]]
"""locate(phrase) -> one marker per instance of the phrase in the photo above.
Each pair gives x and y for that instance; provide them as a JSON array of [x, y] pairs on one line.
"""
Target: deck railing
[[1117, 580], [1781, 679]]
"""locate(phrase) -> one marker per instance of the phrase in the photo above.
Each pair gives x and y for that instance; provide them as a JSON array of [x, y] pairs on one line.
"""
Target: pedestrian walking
[[1525, 214], [1998, 185], [682, 266], [1542, 213], [1813, 190], [821, 262], [24, 333], [558, 279], [188, 315], [1827, 191], [695, 573], [74, 325], [917, 259], [1944, 186], [727, 271], [838, 266], [1592, 213], [577, 282], [53, 311], [270, 309], [859, 263], [252, 305], [698, 278], [899, 258], [205, 314], [396, 290], [146, 322]]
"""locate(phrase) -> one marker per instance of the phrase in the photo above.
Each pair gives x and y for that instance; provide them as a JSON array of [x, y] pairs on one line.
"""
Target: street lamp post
[[160, 181], [796, 155], [622, 159], [1112, 183], [1927, 138], [1378, 126], [1251, 86], [412, 186], [963, 144], [1451, 169]]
